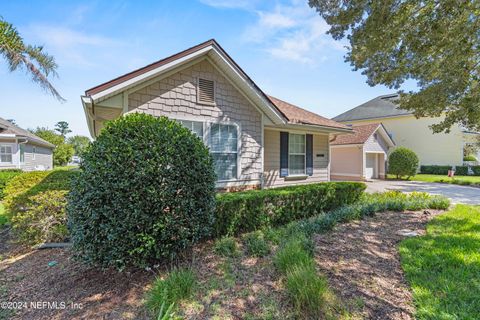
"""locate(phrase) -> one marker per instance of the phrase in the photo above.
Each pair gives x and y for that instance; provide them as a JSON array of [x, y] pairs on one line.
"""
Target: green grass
[[443, 267], [178, 285], [256, 244], [462, 180], [3, 216]]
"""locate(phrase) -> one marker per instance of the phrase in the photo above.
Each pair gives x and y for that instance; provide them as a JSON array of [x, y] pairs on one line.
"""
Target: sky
[[281, 45]]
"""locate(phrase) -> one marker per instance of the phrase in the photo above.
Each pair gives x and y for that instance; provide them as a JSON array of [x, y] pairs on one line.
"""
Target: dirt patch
[[362, 263]]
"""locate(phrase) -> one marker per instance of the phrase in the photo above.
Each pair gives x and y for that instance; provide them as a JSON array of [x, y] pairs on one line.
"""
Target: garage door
[[371, 166]]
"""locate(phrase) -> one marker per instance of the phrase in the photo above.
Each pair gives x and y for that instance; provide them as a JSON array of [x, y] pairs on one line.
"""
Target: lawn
[[443, 267], [463, 180]]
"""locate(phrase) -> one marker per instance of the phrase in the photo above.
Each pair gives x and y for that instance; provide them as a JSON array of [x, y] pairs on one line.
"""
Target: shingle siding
[[176, 97], [43, 158], [376, 144]]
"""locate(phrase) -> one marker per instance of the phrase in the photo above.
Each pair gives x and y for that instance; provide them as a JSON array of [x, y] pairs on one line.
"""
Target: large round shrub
[[146, 192], [402, 162]]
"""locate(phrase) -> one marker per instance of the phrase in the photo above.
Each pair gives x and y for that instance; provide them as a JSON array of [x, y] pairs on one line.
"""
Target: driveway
[[456, 193]]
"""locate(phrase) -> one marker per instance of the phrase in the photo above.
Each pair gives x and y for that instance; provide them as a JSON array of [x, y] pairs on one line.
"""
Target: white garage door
[[371, 166]]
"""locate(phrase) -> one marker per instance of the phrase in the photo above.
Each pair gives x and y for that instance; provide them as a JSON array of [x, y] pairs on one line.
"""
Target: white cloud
[[70, 46], [292, 31]]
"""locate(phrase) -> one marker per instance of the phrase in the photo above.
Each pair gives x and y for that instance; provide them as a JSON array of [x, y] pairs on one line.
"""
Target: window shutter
[[206, 91], [309, 154], [283, 154]]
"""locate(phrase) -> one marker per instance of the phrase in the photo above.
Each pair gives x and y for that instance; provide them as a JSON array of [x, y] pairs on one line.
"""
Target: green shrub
[[470, 158], [35, 203], [308, 291], [226, 246], [402, 162], [5, 176], [443, 170], [256, 244], [44, 220], [178, 285], [295, 252], [146, 192], [261, 209]]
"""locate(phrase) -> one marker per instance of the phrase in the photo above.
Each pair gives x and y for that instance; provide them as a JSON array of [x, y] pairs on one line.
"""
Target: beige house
[[361, 156], [410, 132], [256, 140], [21, 149]]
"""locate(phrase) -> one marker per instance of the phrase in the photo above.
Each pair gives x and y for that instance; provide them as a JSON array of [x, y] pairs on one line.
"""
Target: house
[[256, 140], [361, 156], [21, 149], [408, 131]]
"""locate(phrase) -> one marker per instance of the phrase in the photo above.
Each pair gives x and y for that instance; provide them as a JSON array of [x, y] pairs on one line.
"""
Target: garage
[[361, 155]]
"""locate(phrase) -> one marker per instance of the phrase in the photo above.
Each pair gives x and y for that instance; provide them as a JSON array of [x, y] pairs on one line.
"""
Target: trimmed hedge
[[402, 162], [35, 204], [251, 210], [5, 176], [443, 170]]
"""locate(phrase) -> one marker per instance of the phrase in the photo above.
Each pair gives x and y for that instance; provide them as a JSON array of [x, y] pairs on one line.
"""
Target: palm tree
[[33, 59]]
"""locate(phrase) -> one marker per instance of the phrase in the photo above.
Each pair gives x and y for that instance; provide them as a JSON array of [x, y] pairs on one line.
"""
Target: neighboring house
[[256, 140], [21, 149], [410, 132], [361, 156]]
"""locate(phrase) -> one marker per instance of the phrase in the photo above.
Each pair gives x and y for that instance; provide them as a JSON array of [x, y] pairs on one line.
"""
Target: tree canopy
[[33, 59], [435, 43], [79, 143], [62, 128]]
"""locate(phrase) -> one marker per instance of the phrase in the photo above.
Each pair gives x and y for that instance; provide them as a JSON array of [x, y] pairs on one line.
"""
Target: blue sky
[[282, 45]]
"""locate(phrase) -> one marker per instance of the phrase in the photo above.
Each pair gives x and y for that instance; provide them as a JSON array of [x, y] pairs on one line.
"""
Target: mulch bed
[[362, 263]]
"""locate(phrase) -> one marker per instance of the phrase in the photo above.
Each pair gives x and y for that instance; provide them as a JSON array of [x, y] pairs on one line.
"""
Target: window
[[5, 154], [22, 153], [206, 91], [195, 126], [34, 153], [296, 154], [223, 146]]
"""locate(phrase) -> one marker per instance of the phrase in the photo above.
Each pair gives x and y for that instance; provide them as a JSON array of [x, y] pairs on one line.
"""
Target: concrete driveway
[[456, 193]]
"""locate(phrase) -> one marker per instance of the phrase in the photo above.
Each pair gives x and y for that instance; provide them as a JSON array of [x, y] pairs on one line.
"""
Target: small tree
[[403, 162], [145, 192], [62, 128], [79, 143]]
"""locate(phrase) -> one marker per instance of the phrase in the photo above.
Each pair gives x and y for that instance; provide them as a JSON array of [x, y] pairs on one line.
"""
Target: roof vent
[[206, 91]]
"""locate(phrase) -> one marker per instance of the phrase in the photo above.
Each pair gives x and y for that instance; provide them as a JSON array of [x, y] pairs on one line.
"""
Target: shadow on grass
[[443, 267]]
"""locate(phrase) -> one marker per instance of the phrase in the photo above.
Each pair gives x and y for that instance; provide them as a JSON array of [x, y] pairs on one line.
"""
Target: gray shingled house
[[21, 149]]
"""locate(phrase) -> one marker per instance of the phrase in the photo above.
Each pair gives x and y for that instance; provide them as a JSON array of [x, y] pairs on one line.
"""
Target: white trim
[[12, 153], [381, 152], [7, 135], [262, 151], [304, 154]]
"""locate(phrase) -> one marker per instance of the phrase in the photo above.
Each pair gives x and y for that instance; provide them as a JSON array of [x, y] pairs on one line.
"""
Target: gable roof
[[6, 127], [379, 107], [297, 115], [275, 109], [360, 135]]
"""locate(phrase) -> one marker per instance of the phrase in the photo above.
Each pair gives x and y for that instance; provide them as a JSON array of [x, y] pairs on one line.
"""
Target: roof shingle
[[360, 135], [10, 128], [297, 115]]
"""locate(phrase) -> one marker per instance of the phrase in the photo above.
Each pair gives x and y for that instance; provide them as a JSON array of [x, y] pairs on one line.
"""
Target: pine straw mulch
[[228, 288], [362, 263]]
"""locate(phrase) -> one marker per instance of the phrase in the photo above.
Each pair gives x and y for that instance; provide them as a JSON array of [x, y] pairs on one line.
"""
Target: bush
[[261, 209], [469, 158], [146, 192], [443, 170], [402, 162], [178, 285], [256, 244], [5, 176], [35, 203], [227, 247]]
